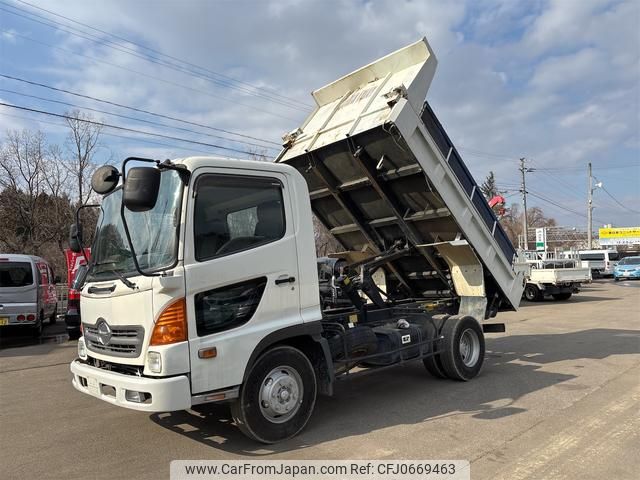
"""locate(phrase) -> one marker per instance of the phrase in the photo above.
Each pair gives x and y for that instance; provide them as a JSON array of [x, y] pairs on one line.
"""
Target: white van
[[27, 292], [601, 262]]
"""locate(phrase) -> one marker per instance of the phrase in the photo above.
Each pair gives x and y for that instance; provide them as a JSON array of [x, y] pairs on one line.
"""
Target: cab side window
[[234, 213]]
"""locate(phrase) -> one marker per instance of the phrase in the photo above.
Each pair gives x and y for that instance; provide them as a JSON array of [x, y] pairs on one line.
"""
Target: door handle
[[280, 281], [101, 289]]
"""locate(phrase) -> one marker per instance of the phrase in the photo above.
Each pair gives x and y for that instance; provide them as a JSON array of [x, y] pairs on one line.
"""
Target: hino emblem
[[104, 331]]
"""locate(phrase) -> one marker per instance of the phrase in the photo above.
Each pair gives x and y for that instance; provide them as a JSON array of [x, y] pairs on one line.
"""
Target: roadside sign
[[619, 236], [541, 239]]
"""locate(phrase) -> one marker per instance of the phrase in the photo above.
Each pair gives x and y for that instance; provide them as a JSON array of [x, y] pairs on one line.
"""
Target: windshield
[[154, 233], [630, 261], [15, 274]]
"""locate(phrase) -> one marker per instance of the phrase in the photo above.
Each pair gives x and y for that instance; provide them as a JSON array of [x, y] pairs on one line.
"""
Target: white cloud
[[9, 35]]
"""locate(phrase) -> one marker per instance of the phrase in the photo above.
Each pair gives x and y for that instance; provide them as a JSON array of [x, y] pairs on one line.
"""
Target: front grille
[[123, 341], [116, 367]]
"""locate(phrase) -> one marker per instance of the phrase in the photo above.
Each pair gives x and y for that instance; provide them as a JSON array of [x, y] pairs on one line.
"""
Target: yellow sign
[[620, 232]]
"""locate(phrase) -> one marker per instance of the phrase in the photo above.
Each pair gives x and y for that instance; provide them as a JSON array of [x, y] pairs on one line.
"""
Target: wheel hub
[[469, 347], [281, 394]]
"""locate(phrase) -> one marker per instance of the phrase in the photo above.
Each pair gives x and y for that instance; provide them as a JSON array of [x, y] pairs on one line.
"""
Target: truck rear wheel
[[532, 293], [561, 296], [277, 397], [463, 353]]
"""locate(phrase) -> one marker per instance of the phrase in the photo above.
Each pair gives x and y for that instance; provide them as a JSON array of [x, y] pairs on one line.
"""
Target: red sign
[[74, 260]]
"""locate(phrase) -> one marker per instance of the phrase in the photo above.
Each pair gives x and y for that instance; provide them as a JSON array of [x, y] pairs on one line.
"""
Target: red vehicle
[[76, 263]]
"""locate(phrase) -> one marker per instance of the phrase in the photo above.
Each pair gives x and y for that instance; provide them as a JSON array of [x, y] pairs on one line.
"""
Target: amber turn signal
[[171, 326], [208, 352]]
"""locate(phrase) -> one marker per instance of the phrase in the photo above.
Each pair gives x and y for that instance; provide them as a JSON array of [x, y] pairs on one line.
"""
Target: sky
[[554, 81]]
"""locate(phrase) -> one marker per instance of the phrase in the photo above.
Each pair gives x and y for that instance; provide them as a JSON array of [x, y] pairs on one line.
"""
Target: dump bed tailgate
[[380, 167]]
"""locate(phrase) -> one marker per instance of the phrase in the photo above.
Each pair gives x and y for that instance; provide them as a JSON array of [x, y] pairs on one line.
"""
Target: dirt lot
[[559, 397]]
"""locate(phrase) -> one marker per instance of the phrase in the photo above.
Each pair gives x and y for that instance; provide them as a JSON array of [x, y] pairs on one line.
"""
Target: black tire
[[74, 334], [54, 316], [616, 279], [248, 412], [455, 364], [360, 342], [433, 363], [561, 296], [36, 330], [532, 293]]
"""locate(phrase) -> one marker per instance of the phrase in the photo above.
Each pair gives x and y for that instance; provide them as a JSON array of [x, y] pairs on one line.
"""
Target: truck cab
[[248, 251]]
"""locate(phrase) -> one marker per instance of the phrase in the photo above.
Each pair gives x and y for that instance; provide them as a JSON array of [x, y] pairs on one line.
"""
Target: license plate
[[94, 386], [4, 321]]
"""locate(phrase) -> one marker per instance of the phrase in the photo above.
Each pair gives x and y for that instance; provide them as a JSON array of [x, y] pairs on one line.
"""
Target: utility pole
[[589, 209], [592, 187], [523, 189]]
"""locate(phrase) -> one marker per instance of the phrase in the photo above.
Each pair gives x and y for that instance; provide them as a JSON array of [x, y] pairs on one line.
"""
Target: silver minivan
[[27, 292]]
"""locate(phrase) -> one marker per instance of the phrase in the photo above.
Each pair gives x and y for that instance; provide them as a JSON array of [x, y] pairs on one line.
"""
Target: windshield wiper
[[122, 278]]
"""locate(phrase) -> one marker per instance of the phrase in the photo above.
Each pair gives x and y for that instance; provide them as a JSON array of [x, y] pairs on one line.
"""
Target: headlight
[[154, 362], [82, 349]]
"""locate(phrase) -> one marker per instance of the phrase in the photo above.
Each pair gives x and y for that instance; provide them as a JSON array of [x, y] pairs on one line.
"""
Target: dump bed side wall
[[449, 151]]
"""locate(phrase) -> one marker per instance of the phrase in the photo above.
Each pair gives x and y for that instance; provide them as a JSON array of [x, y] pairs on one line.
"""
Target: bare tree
[[513, 218], [35, 206], [82, 144], [22, 166]]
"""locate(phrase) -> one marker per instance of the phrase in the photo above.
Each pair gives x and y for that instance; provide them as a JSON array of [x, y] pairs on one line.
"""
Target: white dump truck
[[552, 275], [203, 282]]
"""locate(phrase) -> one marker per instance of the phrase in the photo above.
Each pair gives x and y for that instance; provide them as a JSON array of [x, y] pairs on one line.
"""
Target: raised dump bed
[[384, 177]]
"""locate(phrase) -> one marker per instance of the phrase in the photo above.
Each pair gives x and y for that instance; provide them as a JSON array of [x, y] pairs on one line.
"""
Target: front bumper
[[167, 394], [626, 274]]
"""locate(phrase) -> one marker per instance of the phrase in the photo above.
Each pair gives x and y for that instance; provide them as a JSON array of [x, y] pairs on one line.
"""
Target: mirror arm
[[88, 205]]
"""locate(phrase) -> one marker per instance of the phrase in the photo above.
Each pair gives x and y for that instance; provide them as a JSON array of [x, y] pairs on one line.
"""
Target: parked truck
[[203, 283], [551, 275], [76, 267]]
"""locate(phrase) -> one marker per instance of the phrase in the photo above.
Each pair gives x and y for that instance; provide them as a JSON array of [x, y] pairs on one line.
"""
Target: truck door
[[241, 270]]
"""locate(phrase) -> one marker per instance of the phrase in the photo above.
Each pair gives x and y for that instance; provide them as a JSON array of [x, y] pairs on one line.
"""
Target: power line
[[169, 82], [126, 129], [140, 110], [127, 117], [129, 51], [126, 137], [226, 81], [616, 200], [607, 167], [544, 199]]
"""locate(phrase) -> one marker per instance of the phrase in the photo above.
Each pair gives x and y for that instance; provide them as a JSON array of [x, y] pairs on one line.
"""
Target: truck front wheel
[[532, 293], [277, 397], [463, 353]]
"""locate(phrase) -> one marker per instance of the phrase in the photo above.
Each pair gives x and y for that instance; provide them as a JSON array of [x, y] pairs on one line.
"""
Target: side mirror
[[105, 179], [141, 186], [78, 281], [75, 238]]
